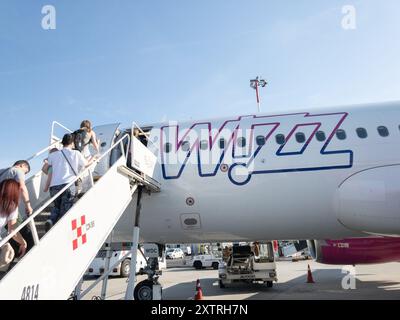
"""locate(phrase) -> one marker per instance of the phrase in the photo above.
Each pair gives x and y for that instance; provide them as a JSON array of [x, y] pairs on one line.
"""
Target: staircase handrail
[[31, 218]]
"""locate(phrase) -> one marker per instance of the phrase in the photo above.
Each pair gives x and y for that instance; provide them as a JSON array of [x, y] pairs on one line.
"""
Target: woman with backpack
[[84, 137]]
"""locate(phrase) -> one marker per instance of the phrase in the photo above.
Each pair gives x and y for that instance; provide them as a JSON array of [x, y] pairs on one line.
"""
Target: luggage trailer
[[253, 263]]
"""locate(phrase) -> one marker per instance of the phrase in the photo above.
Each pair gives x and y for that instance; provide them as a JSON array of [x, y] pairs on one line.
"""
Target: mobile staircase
[[55, 265]]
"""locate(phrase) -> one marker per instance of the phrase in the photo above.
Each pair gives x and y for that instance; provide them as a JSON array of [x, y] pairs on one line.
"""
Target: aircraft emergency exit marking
[[243, 161]]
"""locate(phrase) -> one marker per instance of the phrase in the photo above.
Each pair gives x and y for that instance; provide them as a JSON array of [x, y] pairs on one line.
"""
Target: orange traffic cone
[[199, 292], [309, 276]]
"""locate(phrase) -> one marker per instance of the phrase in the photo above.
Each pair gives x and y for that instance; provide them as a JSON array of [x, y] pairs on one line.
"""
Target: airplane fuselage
[[329, 173]]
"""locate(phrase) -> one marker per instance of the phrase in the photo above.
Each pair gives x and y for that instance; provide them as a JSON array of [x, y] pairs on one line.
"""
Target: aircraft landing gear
[[149, 289], [144, 290]]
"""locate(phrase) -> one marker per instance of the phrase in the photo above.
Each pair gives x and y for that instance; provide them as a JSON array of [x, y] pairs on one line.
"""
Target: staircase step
[[40, 222], [42, 217], [41, 229]]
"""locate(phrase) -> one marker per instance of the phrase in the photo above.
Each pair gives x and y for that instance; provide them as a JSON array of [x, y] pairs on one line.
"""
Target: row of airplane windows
[[281, 139]]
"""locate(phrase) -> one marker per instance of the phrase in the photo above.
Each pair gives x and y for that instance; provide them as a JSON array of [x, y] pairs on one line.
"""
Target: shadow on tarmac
[[327, 286]]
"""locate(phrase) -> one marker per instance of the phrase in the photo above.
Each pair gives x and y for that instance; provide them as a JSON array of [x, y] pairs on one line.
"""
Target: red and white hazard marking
[[79, 229]]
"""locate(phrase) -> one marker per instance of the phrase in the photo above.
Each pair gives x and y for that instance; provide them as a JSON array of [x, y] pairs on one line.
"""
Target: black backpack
[[79, 139]]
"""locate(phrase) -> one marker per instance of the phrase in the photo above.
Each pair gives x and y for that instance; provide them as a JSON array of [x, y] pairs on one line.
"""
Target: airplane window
[[260, 140], [241, 142], [362, 133], [320, 136], [383, 131], [167, 147], [203, 144], [222, 143], [341, 134], [300, 137], [280, 139], [185, 146]]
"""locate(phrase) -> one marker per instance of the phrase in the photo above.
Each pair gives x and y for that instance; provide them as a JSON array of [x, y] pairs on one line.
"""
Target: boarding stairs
[[57, 262]]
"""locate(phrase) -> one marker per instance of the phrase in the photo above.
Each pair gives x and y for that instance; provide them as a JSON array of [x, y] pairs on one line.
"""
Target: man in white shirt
[[66, 165]]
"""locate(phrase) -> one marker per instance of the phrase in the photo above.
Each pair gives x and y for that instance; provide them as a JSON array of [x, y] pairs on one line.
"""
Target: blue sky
[[117, 61]]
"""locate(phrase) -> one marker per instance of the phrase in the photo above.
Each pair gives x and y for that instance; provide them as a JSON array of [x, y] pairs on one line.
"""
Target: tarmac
[[381, 281]]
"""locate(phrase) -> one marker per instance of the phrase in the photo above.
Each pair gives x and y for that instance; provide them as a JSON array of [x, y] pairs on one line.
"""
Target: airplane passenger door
[[142, 158], [106, 136]]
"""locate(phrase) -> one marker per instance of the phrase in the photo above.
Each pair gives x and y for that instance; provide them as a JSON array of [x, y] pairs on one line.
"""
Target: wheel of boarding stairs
[[72, 296], [144, 290], [125, 268], [269, 284]]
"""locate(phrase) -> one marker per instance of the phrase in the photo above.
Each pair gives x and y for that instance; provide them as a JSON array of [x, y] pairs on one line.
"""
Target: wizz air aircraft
[[332, 173], [331, 176]]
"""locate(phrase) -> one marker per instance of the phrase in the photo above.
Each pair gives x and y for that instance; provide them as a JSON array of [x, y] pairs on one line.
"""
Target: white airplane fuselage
[[318, 184]]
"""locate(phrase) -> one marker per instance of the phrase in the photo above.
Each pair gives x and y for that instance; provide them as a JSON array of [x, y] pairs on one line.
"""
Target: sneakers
[[47, 225]]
